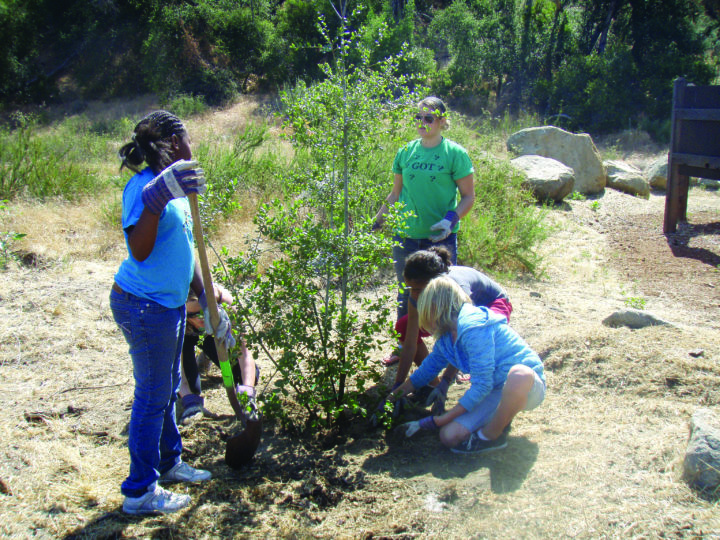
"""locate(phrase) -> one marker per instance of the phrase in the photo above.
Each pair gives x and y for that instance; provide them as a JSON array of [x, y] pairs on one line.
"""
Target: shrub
[[309, 308], [186, 105], [504, 226], [231, 169], [47, 164], [7, 240]]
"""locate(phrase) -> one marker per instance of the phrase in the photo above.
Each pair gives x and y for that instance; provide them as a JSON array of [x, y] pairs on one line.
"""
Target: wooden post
[[675, 200]]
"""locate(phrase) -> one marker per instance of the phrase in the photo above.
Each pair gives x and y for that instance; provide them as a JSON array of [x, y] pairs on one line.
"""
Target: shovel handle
[[225, 368]]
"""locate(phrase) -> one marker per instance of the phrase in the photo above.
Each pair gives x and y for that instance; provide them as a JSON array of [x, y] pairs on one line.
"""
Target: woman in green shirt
[[429, 173]]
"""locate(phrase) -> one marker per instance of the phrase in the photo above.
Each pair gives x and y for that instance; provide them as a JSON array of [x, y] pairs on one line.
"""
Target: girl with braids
[[148, 304], [429, 173], [420, 268], [507, 375]]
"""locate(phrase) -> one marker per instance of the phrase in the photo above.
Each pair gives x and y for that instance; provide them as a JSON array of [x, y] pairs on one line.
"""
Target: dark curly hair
[[426, 264], [151, 142]]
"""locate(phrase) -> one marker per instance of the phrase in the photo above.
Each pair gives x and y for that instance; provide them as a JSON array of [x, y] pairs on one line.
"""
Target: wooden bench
[[694, 145]]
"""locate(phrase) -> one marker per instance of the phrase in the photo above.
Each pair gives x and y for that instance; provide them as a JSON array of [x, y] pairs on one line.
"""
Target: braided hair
[[151, 142], [426, 264]]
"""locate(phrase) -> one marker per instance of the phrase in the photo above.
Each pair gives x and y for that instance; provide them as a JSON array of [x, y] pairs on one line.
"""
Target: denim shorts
[[485, 410]]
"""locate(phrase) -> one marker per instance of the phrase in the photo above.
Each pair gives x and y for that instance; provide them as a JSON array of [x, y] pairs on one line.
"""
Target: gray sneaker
[[158, 500], [475, 445], [182, 472]]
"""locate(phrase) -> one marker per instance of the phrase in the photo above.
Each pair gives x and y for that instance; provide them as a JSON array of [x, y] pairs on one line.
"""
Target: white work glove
[[444, 226], [224, 330], [174, 182], [438, 397], [411, 428]]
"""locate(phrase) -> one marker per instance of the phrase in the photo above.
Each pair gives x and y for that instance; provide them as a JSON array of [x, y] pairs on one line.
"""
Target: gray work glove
[[224, 330], [444, 226]]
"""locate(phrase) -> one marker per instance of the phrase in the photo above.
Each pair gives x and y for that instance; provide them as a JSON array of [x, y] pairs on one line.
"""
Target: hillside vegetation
[[582, 64]]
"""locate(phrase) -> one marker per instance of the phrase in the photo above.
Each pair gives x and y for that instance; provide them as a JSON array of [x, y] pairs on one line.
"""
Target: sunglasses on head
[[426, 118]]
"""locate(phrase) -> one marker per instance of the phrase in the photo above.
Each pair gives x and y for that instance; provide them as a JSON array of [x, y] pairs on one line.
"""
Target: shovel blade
[[241, 448]]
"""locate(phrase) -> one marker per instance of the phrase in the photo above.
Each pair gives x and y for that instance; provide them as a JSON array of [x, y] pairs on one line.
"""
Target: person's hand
[[177, 180], [398, 406], [438, 397], [444, 226], [411, 428], [222, 295], [224, 330], [246, 396]]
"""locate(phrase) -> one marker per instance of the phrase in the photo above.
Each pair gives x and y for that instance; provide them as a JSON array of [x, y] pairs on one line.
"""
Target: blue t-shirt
[[486, 347], [165, 276]]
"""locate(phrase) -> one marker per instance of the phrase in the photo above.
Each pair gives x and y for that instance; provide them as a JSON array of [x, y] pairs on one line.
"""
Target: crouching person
[[506, 375]]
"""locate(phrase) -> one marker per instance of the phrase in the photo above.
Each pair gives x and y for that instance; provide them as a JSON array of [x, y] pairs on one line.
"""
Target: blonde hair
[[439, 305]]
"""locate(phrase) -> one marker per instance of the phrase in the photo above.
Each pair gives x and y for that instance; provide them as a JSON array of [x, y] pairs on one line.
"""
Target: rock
[[4, 488], [656, 173], [701, 467], [547, 178], [577, 151], [632, 318], [625, 177]]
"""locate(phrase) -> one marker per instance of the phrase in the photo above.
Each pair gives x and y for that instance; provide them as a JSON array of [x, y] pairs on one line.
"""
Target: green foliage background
[[597, 64]]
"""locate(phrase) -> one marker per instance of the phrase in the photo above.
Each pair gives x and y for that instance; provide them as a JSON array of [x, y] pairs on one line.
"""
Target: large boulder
[[575, 151], [701, 467], [624, 177], [657, 173], [547, 178]]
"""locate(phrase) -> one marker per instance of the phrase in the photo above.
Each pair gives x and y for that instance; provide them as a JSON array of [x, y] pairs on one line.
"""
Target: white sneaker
[[159, 500], [182, 472]]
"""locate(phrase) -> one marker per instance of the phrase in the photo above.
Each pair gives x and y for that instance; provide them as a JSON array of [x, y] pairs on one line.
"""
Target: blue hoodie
[[486, 348]]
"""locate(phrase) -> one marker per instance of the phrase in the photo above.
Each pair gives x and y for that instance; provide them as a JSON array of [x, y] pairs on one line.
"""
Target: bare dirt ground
[[601, 458]]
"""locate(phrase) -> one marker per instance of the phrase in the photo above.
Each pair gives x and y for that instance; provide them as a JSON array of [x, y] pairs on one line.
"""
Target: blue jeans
[[155, 336], [409, 246]]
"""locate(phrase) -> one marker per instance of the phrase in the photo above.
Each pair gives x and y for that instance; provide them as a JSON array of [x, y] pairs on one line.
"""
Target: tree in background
[[566, 59]]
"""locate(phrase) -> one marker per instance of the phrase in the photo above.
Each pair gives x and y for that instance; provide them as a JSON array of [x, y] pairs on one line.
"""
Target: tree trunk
[[518, 79], [612, 10]]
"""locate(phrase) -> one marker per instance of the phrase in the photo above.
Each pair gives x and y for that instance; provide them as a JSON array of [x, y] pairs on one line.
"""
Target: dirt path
[[600, 458]]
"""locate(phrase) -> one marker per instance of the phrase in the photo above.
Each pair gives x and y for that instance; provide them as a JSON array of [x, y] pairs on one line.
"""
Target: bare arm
[[409, 348], [390, 199], [142, 236], [197, 283], [466, 187], [452, 414]]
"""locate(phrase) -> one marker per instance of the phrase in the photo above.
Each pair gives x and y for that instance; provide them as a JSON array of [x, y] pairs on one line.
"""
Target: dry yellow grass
[[601, 458]]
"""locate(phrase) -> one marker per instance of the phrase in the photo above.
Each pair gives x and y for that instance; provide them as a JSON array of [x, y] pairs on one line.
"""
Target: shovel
[[240, 448]]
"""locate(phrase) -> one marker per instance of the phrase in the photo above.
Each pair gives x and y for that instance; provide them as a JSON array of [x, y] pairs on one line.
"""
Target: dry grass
[[601, 458]]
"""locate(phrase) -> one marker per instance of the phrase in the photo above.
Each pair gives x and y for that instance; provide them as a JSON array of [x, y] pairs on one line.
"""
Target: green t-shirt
[[429, 188]]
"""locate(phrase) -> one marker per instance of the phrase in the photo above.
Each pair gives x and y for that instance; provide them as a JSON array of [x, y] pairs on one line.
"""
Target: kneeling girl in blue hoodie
[[506, 374]]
